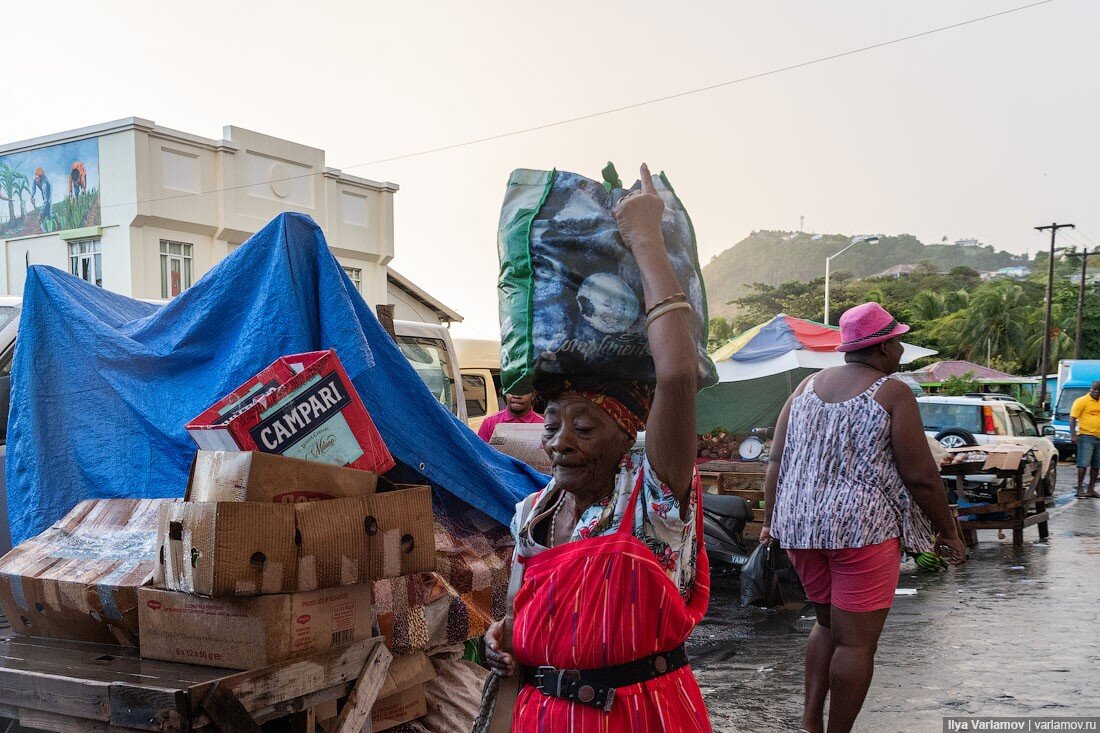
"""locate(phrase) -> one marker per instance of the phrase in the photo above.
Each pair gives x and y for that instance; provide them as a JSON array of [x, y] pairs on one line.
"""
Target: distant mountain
[[773, 257]]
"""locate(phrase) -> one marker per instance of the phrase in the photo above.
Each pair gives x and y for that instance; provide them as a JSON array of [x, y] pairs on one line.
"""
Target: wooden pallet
[[727, 482], [70, 687], [1020, 497]]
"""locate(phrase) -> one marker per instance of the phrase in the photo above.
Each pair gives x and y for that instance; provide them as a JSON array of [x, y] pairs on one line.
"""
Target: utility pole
[[1044, 365], [1084, 254]]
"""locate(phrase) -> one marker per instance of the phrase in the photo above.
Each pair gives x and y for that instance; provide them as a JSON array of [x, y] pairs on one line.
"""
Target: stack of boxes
[[245, 578], [270, 555]]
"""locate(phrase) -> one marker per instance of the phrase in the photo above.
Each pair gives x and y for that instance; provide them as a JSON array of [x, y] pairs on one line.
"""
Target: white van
[[479, 360], [427, 346], [429, 349]]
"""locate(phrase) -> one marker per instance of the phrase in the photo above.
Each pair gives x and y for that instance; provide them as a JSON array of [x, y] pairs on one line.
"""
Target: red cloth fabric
[[814, 336], [485, 432], [604, 601]]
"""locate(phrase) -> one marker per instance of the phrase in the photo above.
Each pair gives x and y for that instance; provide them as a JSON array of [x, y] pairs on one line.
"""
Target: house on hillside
[[931, 379], [897, 271], [1016, 271]]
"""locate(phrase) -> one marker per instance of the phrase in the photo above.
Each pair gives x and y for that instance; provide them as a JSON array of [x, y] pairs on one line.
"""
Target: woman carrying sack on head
[[614, 572], [851, 478]]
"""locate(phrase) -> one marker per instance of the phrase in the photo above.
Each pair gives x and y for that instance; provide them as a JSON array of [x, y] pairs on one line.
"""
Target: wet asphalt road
[[1014, 632]]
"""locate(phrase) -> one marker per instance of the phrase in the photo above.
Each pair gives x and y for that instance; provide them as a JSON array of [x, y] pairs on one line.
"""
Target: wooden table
[[744, 479], [1022, 492], [73, 687]]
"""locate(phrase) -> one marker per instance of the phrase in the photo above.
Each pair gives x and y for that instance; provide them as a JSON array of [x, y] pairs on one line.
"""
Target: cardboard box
[[247, 633], [79, 578], [249, 548], [998, 455], [407, 670], [523, 441], [302, 406], [228, 548], [254, 476], [392, 711]]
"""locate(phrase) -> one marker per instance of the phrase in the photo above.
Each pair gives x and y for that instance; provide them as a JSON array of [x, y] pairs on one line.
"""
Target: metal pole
[[1084, 254], [827, 261], [1080, 303], [1044, 365]]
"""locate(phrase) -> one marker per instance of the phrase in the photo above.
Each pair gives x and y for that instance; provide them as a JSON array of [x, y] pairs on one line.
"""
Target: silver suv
[[982, 419]]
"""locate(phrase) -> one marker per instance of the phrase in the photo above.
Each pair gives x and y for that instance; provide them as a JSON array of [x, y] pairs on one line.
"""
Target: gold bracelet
[[663, 301], [658, 312]]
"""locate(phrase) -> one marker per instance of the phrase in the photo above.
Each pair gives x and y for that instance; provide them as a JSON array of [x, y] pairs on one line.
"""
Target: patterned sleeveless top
[[839, 485]]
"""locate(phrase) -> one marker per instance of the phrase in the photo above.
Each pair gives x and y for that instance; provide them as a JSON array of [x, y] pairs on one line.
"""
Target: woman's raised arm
[[670, 429]]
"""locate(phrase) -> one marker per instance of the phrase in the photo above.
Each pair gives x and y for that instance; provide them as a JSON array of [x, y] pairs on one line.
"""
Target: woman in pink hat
[[851, 480]]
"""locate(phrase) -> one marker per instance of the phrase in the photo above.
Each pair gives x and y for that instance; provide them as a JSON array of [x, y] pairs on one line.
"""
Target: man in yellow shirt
[[1084, 430]]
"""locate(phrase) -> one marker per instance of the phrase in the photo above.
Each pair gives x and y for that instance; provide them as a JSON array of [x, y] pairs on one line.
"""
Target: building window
[[356, 276], [86, 260], [175, 268]]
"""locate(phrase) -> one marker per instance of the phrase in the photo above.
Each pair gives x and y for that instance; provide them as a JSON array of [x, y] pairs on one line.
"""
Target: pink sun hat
[[867, 325]]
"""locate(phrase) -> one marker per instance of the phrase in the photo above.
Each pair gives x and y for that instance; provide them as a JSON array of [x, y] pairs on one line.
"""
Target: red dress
[[601, 602]]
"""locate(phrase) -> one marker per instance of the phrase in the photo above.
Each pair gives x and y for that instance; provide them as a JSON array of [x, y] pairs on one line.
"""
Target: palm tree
[[721, 330], [1062, 325], [9, 175], [996, 322], [926, 305], [23, 186], [955, 300]]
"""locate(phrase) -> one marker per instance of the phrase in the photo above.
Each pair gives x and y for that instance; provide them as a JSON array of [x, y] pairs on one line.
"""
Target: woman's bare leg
[[819, 654], [855, 639]]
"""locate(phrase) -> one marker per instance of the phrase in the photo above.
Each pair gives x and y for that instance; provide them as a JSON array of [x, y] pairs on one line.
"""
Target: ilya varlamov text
[[1021, 724]]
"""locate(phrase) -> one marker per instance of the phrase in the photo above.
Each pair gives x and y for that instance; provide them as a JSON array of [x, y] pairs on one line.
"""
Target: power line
[[615, 110]]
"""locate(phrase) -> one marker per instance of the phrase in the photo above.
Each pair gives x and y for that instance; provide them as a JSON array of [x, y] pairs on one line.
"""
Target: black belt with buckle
[[596, 687]]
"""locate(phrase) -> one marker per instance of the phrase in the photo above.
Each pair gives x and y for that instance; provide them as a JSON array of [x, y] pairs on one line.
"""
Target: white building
[[145, 211]]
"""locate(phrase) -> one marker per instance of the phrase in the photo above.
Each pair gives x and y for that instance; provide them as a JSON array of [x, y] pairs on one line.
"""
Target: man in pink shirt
[[518, 410]]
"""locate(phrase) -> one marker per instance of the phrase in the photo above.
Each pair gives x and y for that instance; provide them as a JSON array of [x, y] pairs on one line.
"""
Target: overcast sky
[[981, 131]]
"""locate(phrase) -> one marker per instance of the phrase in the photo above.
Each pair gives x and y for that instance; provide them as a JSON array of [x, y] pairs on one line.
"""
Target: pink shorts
[[857, 579]]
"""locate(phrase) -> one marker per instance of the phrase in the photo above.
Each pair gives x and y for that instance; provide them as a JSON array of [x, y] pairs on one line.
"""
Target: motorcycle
[[724, 519]]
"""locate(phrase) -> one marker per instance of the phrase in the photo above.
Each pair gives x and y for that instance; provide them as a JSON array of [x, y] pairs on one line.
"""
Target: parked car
[[989, 419]]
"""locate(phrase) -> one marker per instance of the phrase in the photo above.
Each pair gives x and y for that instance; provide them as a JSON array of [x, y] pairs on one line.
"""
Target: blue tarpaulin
[[102, 384]]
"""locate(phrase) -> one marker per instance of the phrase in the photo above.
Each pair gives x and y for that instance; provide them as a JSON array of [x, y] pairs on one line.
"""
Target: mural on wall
[[50, 189]]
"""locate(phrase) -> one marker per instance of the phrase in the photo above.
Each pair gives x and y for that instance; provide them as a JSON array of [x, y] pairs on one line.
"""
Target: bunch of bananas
[[930, 561]]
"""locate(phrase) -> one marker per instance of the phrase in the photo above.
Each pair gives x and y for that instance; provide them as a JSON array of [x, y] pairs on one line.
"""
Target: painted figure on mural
[[78, 179], [42, 184]]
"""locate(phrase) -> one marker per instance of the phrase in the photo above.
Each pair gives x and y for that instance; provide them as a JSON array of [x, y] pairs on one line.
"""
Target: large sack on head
[[571, 301]]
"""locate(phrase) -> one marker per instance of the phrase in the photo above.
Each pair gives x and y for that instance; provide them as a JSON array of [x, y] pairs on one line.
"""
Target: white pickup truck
[[427, 346]]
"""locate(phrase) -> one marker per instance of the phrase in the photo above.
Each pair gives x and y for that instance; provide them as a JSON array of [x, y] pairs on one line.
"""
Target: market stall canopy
[[760, 369], [102, 384], [785, 343]]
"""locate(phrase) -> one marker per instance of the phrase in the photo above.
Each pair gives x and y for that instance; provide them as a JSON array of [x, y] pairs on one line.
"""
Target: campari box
[[302, 406]]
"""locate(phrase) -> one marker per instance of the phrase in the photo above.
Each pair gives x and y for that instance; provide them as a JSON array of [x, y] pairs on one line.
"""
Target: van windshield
[[1066, 399], [428, 357]]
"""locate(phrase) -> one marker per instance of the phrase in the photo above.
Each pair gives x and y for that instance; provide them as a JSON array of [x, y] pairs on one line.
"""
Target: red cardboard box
[[302, 406]]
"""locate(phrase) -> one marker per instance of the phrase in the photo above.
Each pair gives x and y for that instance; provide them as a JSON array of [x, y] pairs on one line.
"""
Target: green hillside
[[772, 258]]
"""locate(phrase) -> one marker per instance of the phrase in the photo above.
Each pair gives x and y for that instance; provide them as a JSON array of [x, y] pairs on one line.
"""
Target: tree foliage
[[997, 322]]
